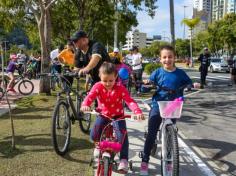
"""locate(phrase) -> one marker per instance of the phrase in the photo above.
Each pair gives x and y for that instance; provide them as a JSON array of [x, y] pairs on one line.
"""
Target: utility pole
[[115, 25], [184, 18], [172, 23]]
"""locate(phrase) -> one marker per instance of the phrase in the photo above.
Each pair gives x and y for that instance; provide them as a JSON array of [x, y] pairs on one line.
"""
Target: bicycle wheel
[[52, 83], [1, 93], [170, 153], [107, 167], [61, 128], [25, 87], [84, 119]]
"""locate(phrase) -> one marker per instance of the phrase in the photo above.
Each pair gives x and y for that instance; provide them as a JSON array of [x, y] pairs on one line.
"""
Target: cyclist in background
[[172, 78], [12, 65], [137, 68], [67, 59], [110, 97]]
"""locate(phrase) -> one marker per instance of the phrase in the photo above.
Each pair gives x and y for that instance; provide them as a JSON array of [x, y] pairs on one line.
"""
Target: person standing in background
[[204, 59], [137, 68]]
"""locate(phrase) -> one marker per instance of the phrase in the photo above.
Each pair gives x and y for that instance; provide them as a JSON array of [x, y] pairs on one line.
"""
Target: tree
[[182, 48], [191, 23]]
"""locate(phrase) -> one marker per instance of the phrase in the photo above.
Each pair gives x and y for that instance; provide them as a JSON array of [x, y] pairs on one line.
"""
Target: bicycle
[[25, 86], [167, 133], [109, 146], [65, 113]]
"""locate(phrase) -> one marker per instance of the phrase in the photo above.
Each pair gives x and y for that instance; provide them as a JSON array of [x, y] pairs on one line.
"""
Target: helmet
[[123, 73], [116, 50], [13, 56]]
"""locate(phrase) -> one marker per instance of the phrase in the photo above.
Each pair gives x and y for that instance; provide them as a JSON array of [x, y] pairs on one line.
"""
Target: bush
[[149, 68]]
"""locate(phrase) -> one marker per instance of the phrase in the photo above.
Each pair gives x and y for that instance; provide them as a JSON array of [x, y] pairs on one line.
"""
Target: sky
[[160, 24]]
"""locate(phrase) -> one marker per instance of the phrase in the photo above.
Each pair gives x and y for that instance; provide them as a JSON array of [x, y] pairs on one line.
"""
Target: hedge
[[149, 68]]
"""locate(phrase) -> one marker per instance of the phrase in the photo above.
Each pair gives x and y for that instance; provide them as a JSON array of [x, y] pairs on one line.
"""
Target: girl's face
[[168, 59], [108, 80]]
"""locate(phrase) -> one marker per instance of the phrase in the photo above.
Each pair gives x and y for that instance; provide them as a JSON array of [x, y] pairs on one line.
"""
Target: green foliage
[[191, 23], [153, 50], [182, 48], [149, 68]]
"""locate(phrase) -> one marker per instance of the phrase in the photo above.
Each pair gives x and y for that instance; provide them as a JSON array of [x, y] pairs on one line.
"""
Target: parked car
[[218, 65]]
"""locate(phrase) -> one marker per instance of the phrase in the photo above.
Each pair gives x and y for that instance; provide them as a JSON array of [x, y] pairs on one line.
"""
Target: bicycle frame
[[109, 147]]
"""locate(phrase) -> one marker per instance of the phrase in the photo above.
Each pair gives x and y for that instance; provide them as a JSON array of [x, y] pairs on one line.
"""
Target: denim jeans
[[120, 130], [154, 123]]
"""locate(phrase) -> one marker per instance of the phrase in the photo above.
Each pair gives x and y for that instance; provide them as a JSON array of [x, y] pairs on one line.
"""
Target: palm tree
[[191, 23]]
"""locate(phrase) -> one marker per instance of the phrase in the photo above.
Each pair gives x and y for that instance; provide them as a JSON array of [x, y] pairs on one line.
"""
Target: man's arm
[[93, 62]]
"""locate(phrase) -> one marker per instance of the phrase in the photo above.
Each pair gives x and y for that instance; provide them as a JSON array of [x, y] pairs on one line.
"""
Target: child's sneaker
[[123, 166], [144, 168]]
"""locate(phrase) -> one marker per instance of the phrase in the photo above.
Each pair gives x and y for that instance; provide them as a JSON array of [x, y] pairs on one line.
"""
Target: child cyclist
[[10, 72], [110, 96], [172, 78]]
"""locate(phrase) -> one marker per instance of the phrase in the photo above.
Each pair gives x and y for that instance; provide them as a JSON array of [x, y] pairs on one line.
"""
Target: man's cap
[[116, 50], [78, 35]]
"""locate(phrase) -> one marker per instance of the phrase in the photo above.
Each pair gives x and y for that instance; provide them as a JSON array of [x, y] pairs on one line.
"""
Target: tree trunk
[[44, 86], [172, 23], [191, 49]]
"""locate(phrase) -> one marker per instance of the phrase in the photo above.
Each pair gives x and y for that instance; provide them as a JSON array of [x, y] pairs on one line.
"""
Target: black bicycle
[[66, 113]]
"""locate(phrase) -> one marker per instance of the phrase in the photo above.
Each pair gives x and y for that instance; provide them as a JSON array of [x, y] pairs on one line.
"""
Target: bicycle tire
[[52, 84], [26, 85], [1, 93], [106, 166], [170, 166], [85, 119], [61, 148]]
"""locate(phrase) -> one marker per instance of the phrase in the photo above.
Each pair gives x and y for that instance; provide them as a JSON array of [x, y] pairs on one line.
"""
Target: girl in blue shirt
[[166, 78]]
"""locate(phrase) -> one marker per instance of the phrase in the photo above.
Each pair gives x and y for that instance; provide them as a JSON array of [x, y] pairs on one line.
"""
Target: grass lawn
[[34, 154]]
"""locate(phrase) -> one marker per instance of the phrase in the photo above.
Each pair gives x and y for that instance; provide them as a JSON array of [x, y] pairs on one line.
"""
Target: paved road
[[209, 123]]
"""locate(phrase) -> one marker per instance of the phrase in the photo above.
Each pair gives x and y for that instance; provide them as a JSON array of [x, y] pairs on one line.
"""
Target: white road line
[[202, 166], [212, 78]]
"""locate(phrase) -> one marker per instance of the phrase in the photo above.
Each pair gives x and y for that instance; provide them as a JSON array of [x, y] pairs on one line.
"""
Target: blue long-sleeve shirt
[[174, 80]]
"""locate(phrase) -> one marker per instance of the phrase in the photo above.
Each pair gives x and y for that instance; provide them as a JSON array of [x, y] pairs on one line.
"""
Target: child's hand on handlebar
[[140, 117], [85, 108], [146, 81]]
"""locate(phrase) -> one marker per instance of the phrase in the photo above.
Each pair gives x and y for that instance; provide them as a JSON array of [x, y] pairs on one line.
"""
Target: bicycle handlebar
[[128, 116]]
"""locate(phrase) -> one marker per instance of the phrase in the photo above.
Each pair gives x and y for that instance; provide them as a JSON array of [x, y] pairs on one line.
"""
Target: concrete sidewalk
[[12, 97]]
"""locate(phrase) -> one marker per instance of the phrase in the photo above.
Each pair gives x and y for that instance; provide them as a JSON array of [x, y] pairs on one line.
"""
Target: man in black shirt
[[205, 62], [89, 55]]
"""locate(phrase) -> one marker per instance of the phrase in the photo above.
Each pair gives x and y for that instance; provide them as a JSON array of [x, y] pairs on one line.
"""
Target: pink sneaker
[[144, 168]]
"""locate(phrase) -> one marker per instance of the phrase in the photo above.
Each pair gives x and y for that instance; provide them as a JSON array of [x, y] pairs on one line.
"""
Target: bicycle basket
[[170, 109]]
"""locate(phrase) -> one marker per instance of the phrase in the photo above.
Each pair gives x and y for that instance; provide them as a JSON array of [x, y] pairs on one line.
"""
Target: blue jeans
[[120, 130], [154, 123]]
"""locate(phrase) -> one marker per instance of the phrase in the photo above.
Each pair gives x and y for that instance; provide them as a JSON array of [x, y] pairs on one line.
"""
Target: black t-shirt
[[204, 59], [82, 59]]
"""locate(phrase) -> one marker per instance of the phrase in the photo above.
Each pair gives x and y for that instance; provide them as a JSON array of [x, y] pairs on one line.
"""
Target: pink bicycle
[[109, 146]]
